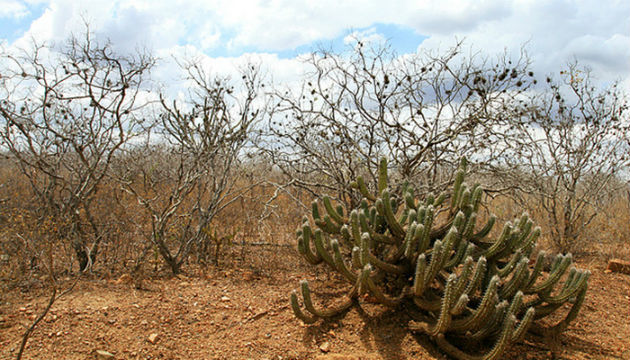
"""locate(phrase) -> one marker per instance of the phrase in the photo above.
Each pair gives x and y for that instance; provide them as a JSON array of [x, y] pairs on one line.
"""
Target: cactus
[[463, 288]]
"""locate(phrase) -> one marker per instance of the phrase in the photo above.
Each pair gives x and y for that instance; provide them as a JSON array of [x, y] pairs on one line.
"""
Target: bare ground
[[243, 313]]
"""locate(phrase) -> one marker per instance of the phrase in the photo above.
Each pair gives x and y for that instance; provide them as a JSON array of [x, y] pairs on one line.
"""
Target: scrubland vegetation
[[103, 176]]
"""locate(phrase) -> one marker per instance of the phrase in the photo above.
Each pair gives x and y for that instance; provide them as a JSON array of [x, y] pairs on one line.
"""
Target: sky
[[227, 32]]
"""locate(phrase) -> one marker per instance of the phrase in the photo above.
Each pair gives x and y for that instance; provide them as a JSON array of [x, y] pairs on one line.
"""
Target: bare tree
[[188, 177], [566, 151], [65, 112], [422, 110]]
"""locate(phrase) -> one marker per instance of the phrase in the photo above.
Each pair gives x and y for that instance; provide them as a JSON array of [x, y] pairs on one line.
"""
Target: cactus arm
[[491, 327], [501, 242], [315, 211], [355, 227], [427, 305], [495, 353], [420, 214], [307, 254], [537, 269], [475, 200], [553, 278], [304, 246], [363, 189], [465, 250], [356, 258], [464, 200], [509, 266], [328, 225], [321, 250], [569, 291], [307, 319], [384, 206], [564, 323], [457, 185], [485, 308], [411, 242], [448, 244], [440, 326], [484, 231], [467, 230], [418, 279], [332, 212], [346, 236], [528, 244], [365, 227], [373, 289], [323, 313], [434, 263], [520, 332], [516, 282], [341, 265], [464, 277], [428, 223], [460, 305], [385, 266], [478, 274], [439, 200], [368, 258], [409, 200], [382, 175]]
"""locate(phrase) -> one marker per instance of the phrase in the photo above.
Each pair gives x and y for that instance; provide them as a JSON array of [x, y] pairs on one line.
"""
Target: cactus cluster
[[462, 288]]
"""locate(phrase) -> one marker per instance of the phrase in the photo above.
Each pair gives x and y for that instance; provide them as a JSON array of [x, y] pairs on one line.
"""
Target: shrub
[[463, 289]]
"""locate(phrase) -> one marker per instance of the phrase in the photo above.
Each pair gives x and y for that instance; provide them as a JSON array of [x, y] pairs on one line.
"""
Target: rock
[[619, 266], [325, 347], [103, 355], [225, 298], [153, 338]]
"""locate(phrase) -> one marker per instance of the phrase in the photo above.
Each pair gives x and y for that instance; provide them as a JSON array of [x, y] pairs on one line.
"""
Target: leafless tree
[[566, 151], [190, 174], [423, 111], [64, 114]]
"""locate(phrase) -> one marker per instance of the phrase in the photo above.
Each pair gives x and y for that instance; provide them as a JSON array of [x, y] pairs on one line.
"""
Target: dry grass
[[253, 218]]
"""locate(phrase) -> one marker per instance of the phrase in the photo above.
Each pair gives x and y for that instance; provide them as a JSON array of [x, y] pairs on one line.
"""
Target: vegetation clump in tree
[[465, 288]]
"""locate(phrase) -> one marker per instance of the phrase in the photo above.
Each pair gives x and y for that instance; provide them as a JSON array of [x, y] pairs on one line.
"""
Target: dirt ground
[[243, 313]]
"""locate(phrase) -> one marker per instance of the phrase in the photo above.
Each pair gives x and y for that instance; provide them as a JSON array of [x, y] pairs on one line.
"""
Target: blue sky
[[554, 32], [14, 27]]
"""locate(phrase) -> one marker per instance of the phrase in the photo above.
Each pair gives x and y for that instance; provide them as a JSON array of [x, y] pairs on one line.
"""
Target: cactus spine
[[465, 286]]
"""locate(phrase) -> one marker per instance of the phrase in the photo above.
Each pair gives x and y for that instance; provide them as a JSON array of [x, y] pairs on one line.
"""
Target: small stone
[[619, 266], [153, 338], [325, 347], [225, 298], [102, 354]]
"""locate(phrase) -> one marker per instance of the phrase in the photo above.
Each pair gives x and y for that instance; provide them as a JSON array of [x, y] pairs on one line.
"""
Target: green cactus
[[464, 286]]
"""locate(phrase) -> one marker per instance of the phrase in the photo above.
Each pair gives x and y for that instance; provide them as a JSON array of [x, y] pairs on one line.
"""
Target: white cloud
[[12, 9], [556, 31], [368, 36]]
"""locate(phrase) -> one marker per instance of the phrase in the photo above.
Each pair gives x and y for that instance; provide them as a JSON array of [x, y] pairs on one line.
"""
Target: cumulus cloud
[[554, 32], [12, 9]]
